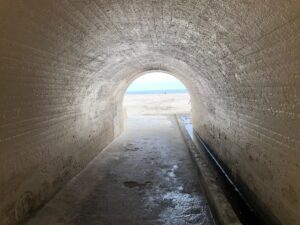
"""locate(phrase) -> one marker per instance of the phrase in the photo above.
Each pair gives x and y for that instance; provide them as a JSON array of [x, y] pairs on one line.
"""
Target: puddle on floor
[[187, 120], [134, 184]]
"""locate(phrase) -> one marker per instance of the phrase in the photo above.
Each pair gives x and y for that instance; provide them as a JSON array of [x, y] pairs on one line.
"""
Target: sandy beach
[[154, 104]]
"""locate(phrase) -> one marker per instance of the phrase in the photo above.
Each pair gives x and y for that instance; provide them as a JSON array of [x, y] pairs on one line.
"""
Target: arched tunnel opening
[[156, 93], [64, 69]]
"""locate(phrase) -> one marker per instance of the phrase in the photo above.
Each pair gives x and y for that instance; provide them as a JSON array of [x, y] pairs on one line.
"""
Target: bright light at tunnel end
[[153, 81]]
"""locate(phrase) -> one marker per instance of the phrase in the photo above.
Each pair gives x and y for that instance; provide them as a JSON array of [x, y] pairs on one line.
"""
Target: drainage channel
[[241, 207]]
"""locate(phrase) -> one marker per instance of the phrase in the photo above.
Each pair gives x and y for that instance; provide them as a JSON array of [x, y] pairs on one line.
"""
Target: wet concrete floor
[[145, 177]]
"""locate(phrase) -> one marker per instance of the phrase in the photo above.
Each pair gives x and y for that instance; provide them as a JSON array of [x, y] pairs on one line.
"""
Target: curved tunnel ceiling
[[219, 40], [64, 65]]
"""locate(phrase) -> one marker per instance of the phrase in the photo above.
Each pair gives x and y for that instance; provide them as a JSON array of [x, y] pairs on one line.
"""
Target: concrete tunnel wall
[[64, 65]]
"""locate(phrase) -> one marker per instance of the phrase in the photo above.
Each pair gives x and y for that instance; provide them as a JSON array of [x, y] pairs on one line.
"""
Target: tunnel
[[65, 66]]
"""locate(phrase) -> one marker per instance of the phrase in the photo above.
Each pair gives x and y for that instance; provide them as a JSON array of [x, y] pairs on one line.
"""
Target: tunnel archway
[[120, 92], [156, 93]]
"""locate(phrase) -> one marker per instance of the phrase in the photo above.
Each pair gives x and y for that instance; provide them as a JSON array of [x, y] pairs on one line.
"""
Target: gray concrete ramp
[[146, 176]]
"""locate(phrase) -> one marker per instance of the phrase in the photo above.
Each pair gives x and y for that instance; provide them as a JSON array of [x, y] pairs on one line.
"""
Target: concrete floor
[[144, 177]]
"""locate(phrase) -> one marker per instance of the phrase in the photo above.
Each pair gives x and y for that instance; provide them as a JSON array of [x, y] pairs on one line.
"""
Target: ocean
[[174, 91]]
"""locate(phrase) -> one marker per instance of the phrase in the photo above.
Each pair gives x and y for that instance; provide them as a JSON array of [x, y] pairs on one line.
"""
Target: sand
[[157, 104]]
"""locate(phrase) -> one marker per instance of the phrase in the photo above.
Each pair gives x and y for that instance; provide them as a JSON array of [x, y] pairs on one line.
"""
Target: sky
[[155, 81]]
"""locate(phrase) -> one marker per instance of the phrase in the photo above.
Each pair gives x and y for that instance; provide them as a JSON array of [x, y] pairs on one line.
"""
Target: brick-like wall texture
[[65, 63]]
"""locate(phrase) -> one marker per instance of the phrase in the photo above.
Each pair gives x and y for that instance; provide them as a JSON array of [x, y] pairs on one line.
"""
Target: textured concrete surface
[[144, 177], [65, 65]]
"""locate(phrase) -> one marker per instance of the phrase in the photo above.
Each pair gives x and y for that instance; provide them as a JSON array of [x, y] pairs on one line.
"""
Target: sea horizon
[[172, 91]]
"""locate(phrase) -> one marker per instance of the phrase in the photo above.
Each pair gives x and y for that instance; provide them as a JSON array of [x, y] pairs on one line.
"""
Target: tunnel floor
[[146, 176]]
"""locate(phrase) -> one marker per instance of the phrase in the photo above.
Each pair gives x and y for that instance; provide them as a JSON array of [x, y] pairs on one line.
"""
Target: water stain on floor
[[133, 184]]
